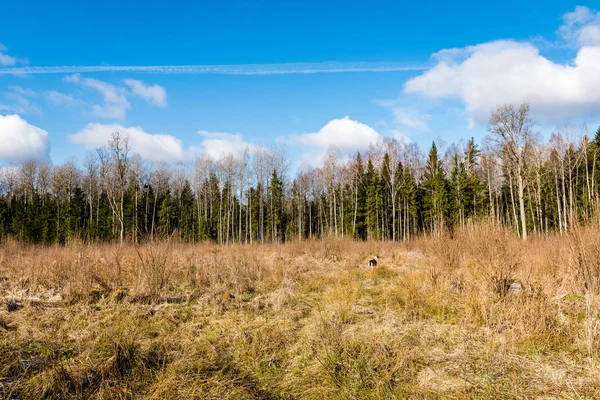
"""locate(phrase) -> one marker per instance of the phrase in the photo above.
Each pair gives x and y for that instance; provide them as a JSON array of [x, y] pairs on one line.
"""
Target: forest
[[123, 279], [392, 192]]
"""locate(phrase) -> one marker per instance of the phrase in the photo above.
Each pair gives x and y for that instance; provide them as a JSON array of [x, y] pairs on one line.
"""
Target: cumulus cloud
[[154, 147], [220, 144], [344, 134], [5, 59], [20, 141], [153, 94], [115, 101], [506, 71]]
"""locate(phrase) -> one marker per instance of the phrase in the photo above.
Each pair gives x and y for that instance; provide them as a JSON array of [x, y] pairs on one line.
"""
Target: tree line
[[391, 192]]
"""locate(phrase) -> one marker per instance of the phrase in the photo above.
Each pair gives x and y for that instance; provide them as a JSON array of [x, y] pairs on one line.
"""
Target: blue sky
[[511, 51]]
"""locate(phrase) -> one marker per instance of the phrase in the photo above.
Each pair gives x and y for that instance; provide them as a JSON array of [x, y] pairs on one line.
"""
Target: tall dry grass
[[438, 318]]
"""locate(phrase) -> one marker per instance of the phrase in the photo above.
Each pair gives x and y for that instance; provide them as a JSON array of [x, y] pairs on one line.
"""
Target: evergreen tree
[[435, 193], [410, 206], [373, 210], [459, 188], [167, 216], [360, 199], [374, 197], [186, 213], [275, 215]]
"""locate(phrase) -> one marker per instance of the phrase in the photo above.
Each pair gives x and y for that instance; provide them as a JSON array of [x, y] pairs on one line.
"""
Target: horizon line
[[225, 69]]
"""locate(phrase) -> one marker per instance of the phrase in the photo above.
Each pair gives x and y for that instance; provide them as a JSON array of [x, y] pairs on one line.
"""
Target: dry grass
[[435, 319]]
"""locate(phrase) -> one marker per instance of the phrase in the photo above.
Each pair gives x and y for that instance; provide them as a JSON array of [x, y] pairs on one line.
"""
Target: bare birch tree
[[511, 129]]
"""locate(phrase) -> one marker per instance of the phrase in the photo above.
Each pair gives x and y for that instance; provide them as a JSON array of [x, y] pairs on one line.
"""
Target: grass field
[[308, 320]]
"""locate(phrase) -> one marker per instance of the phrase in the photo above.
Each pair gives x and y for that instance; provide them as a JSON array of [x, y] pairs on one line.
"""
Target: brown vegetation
[[437, 318]]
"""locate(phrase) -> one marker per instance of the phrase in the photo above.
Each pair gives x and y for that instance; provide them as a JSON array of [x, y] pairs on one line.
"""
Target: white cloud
[[115, 100], [14, 108], [153, 94], [220, 144], [411, 118], [155, 147], [20, 141], [590, 35], [236, 69], [58, 98], [507, 71], [6, 60], [18, 101], [581, 27], [22, 91], [408, 117], [344, 134]]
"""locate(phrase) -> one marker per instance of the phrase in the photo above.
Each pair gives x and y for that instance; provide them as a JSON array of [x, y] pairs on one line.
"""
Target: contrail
[[235, 69]]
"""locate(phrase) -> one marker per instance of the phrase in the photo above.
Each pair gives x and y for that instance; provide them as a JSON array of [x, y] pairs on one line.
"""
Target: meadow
[[480, 314]]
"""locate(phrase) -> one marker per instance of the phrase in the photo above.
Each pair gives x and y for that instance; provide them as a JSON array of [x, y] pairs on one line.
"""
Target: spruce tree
[[373, 201], [435, 193], [166, 216], [410, 206], [360, 199], [275, 216], [459, 188]]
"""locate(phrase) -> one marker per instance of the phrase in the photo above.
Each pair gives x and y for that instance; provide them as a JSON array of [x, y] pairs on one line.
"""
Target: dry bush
[[584, 245], [155, 268], [496, 255]]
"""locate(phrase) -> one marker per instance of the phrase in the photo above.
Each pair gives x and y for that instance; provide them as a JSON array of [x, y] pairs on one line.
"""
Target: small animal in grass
[[373, 262]]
